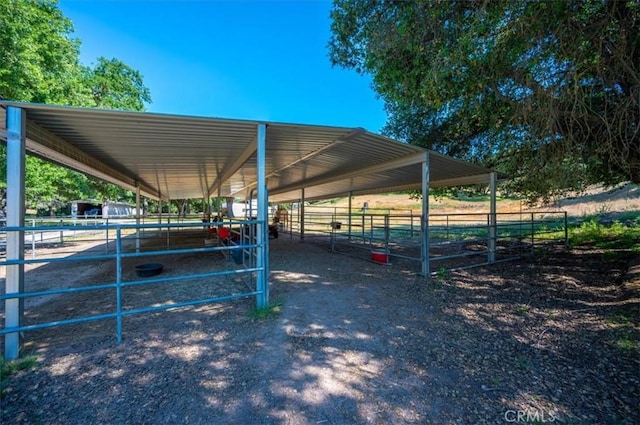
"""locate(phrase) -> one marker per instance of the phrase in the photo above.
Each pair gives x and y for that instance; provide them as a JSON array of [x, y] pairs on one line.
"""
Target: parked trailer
[[117, 209], [86, 208], [106, 209]]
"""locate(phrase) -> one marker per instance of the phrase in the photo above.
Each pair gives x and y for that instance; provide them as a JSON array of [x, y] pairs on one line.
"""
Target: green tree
[[38, 56], [116, 85], [548, 92], [49, 185], [39, 62]]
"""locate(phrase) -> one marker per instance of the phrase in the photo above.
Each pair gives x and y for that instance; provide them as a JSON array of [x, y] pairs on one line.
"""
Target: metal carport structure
[[168, 157]]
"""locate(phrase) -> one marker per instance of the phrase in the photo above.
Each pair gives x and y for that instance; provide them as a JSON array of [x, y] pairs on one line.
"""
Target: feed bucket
[[223, 232], [148, 270], [379, 257]]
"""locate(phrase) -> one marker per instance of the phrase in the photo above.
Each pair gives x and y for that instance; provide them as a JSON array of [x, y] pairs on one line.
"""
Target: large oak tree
[[39, 62], [546, 91]]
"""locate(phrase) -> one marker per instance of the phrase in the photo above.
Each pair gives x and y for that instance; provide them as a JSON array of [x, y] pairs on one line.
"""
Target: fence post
[[118, 284], [411, 226], [168, 229], [33, 239], [447, 228], [489, 241], [532, 235], [493, 237], [16, 136], [301, 210], [332, 226], [386, 236], [106, 232], [493, 219], [566, 231]]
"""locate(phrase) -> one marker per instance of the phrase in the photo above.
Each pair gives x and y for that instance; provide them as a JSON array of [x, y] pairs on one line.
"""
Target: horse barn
[[170, 157]]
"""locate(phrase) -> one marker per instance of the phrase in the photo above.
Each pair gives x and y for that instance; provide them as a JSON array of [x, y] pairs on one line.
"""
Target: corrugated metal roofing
[[178, 157]]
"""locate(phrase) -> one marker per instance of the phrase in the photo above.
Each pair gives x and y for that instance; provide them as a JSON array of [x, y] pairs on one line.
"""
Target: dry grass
[[596, 200]]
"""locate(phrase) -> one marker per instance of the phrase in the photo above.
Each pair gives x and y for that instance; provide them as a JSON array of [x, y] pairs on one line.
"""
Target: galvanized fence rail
[[118, 242], [455, 240]]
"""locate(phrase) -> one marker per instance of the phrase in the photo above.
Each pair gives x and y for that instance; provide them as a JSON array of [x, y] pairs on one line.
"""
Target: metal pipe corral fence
[[453, 237], [115, 244]]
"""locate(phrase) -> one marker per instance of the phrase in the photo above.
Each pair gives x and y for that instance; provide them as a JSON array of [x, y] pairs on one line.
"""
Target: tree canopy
[[547, 92], [39, 62], [38, 57]]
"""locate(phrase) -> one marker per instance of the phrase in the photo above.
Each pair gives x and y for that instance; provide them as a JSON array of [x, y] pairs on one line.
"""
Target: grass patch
[[273, 309], [615, 236], [623, 322], [626, 343], [620, 319], [8, 368], [623, 216], [442, 275]]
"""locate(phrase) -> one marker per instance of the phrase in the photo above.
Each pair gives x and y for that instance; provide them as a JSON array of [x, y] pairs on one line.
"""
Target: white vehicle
[[108, 209]]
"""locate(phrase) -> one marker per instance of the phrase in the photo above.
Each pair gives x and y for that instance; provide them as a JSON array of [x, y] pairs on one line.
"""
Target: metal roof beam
[[47, 145], [352, 134], [233, 167], [462, 181], [405, 161], [294, 195]]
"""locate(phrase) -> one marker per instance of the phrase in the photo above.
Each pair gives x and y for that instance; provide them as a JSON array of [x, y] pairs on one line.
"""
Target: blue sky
[[262, 60]]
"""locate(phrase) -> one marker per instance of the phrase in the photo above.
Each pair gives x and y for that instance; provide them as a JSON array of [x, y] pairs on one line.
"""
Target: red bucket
[[224, 232], [379, 257]]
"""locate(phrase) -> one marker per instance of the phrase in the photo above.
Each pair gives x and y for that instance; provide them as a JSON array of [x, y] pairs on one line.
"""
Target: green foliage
[[115, 85], [442, 275], [38, 58], [8, 368], [273, 309], [39, 62], [547, 92], [45, 183], [620, 319], [623, 322], [615, 236], [626, 342]]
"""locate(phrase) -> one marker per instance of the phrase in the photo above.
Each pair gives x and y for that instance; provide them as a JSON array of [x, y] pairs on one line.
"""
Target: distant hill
[[596, 200]]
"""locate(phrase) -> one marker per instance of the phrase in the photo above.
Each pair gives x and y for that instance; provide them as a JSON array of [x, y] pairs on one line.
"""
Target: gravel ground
[[547, 339]]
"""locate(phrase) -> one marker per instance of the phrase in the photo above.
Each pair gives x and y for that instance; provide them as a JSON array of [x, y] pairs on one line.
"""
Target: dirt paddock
[[552, 338]]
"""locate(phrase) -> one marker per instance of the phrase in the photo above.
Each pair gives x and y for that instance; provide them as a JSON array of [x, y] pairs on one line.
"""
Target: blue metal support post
[[426, 266], [119, 284], [350, 212], [493, 222], [16, 121], [301, 212], [137, 216], [262, 258]]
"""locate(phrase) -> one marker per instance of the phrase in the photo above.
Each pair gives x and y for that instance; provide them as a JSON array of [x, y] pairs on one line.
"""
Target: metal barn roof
[[178, 157]]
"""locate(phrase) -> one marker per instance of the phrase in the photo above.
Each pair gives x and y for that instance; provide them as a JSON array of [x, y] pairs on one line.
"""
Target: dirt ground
[[553, 338]]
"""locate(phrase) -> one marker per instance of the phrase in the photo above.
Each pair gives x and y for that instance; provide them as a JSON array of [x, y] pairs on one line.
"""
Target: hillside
[[594, 201]]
